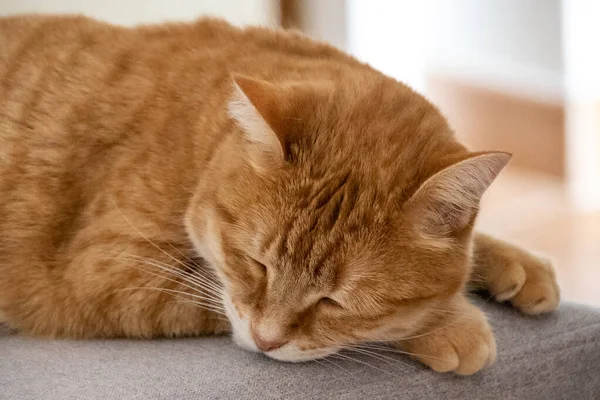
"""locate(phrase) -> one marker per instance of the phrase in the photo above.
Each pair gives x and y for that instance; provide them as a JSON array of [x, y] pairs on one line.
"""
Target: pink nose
[[267, 345]]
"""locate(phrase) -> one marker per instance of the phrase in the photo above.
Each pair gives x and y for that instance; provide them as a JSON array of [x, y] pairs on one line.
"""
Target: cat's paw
[[463, 342], [528, 282]]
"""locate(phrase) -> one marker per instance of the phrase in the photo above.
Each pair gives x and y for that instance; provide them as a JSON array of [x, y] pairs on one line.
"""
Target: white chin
[[291, 353], [239, 327]]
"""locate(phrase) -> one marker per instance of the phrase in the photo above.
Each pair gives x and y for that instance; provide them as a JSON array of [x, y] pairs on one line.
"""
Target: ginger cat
[[188, 179]]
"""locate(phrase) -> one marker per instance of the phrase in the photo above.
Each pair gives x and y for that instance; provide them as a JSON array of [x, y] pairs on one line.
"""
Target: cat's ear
[[256, 106], [448, 201]]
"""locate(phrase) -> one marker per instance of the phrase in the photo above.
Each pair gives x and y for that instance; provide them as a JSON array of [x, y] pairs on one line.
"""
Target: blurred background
[[515, 75]]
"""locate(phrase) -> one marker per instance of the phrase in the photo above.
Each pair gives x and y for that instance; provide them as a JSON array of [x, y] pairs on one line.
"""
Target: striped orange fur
[[188, 179]]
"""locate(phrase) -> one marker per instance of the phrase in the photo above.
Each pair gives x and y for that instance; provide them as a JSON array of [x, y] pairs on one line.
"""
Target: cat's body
[[119, 148], [93, 115]]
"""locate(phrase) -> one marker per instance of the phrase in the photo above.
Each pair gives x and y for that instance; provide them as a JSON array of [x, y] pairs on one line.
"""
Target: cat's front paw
[[528, 282], [463, 341]]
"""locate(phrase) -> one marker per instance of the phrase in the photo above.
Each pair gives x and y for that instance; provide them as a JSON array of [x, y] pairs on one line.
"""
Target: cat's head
[[336, 214]]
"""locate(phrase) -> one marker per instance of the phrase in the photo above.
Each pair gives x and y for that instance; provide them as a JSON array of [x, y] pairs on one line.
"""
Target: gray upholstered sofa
[[551, 357]]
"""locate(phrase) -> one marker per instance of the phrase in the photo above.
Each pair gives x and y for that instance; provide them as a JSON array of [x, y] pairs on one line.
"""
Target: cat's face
[[327, 232], [305, 282]]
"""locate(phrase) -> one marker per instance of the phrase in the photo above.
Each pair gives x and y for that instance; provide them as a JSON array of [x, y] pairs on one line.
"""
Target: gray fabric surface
[[550, 357]]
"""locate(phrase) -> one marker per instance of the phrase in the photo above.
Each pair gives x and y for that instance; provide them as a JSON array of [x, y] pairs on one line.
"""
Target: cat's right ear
[[256, 107]]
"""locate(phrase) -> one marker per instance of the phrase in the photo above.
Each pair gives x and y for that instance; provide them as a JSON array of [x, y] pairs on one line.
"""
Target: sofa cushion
[[548, 357]]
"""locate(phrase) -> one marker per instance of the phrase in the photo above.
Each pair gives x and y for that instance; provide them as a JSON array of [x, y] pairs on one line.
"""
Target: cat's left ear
[[448, 201], [259, 108]]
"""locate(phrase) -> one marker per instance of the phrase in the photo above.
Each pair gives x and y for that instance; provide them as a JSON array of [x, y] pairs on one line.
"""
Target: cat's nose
[[267, 345]]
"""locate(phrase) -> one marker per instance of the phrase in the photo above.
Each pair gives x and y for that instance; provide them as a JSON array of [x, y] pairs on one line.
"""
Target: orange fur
[[259, 173]]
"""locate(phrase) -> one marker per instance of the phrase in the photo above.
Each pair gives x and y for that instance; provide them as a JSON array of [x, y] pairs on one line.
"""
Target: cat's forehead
[[320, 245], [386, 136]]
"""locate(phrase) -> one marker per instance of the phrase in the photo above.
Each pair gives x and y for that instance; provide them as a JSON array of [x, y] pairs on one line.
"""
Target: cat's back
[[49, 67], [72, 85], [82, 101], [36, 44], [61, 65], [45, 41]]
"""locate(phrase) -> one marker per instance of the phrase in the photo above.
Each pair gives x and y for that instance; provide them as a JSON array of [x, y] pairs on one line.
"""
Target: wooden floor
[[532, 210], [486, 119]]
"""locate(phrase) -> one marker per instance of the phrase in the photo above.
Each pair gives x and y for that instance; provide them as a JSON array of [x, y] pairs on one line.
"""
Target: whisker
[[206, 307], [332, 362], [321, 363], [176, 272], [398, 351], [208, 297], [200, 305], [194, 263], [191, 301], [360, 362], [170, 291], [197, 277], [388, 360], [145, 237], [195, 288], [423, 334], [450, 323], [453, 312], [487, 300]]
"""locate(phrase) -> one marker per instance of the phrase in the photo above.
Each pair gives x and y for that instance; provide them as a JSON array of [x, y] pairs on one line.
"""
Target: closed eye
[[260, 266], [329, 302]]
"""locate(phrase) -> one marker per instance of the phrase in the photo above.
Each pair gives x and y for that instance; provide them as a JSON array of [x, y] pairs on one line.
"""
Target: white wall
[[393, 36], [130, 12], [582, 69], [508, 45], [527, 32], [512, 45], [325, 20]]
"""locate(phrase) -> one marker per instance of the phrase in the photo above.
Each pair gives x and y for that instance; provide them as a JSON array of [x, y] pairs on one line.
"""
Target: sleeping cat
[[190, 179]]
